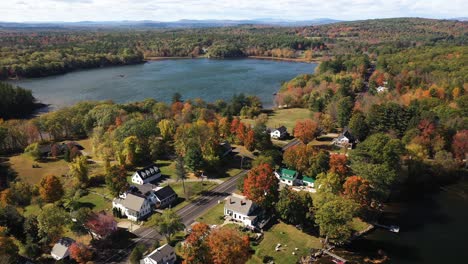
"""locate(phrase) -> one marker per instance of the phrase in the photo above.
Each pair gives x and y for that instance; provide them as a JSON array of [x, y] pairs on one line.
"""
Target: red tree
[[234, 124], [227, 246], [195, 248], [358, 189], [80, 253], [241, 133], [261, 186], [305, 130], [249, 140], [338, 164], [460, 144], [101, 225]]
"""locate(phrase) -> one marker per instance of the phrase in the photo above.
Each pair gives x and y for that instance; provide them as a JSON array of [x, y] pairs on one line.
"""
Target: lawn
[[213, 216], [167, 168], [290, 238], [97, 202], [358, 225], [22, 164], [285, 117]]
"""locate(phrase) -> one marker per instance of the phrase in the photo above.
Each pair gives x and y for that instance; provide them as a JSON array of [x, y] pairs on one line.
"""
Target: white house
[[163, 196], [61, 248], [146, 175], [288, 177], [132, 205], [308, 181], [279, 133], [162, 255], [382, 89], [240, 209], [345, 139], [160, 197]]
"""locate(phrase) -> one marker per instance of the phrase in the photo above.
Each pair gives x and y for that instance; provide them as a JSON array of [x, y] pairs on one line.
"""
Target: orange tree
[[228, 246], [261, 186], [50, 189]]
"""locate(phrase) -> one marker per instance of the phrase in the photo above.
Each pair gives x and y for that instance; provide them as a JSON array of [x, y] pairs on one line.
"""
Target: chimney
[[242, 202]]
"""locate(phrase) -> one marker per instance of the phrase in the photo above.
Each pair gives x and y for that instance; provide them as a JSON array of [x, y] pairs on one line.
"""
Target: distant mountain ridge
[[184, 23]]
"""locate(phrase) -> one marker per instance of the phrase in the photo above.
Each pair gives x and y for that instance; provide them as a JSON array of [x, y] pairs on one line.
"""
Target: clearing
[[284, 117], [290, 238]]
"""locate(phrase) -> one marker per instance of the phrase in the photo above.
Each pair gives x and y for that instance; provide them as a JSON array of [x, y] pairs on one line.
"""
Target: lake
[[193, 78], [433, 230]]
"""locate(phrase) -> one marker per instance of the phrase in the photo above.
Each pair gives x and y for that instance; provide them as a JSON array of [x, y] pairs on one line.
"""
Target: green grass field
[[290, 238], [22, 165], [97, 202], [214, 216], [285, 117]]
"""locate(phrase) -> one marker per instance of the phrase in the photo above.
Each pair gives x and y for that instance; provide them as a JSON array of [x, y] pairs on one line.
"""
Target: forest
[[16, 102], [43, 53]]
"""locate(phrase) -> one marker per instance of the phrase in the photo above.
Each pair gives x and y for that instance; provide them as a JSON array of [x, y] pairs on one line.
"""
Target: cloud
[[167, 10]]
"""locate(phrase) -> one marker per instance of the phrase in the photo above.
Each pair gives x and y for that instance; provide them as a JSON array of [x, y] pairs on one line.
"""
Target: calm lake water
[[433, 230], [197, 78]]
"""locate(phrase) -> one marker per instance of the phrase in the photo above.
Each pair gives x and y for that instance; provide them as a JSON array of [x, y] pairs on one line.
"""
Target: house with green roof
[[288, 177], [308, 181]]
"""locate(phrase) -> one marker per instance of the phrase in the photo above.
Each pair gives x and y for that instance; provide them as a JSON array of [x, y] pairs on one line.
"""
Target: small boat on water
[[391, 228], [121, 75]]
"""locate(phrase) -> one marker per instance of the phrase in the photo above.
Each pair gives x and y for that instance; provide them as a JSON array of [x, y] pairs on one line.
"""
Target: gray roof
[[282, 129], [131, 201], [239, 205], [148, 171], [60, 248], [142, 189], [164, 192], [161, 252]]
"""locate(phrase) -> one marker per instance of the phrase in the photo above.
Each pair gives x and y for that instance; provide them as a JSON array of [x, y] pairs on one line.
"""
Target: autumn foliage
[[358, 189], [261, 185], [101, 224], [460, 144], [217, 246], [195, 248], [227, 246], [50, 188], [80, 253], [305, 130], [249, 140], [338, 164]]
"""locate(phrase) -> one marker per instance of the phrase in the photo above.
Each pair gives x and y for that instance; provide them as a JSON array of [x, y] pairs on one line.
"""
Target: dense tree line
[[15, 101], [42, 53]]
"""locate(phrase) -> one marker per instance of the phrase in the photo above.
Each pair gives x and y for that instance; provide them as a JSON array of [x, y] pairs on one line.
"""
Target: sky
[[173, 10]]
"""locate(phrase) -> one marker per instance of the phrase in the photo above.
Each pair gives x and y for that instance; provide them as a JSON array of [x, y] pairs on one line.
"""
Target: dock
[[336, 257]]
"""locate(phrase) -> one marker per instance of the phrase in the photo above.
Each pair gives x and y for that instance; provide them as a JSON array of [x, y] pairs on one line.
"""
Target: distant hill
[[175, 24], [408, 30]]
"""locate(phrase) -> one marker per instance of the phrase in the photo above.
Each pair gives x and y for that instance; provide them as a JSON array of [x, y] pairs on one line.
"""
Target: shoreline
[[301, 60]]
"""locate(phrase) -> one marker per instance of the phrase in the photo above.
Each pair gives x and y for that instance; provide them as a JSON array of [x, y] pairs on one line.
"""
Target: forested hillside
[[42, 53]]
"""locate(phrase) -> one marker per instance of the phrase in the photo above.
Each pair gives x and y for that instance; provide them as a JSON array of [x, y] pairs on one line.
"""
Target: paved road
[[209, 199], [189, 213]]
